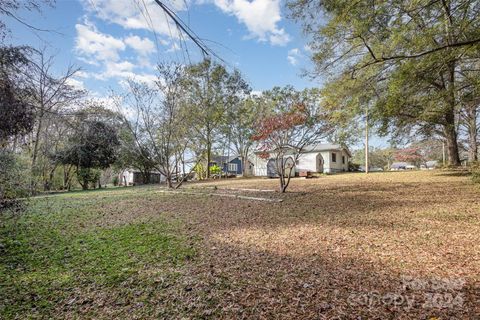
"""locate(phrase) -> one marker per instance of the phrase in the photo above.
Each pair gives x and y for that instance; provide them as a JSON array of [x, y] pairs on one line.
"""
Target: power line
[[189, 32]]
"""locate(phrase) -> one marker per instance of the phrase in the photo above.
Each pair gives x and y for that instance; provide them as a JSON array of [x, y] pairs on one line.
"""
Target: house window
[[232, 167], [343, 159], [334, 157]]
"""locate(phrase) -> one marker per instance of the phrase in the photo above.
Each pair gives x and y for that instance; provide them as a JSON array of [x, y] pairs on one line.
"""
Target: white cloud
[[279, 38], [260, 17], [293, 56], [143, 46], [104, 50], [135, 14], [123, 70], [82, 74], [76, 84], [108, 102], [96, 45]]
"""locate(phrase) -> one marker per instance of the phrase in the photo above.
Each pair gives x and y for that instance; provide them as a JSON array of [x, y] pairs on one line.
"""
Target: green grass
[[57, 246]]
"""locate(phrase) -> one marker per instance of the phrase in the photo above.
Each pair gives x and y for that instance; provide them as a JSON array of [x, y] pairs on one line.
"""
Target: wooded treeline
[[58, 137], [412, 66]]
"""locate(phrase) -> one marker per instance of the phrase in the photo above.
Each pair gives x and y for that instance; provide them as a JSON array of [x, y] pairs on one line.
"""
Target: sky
[[112, 40]]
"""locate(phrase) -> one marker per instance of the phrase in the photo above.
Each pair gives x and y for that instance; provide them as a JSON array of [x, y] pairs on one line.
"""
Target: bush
[[88, 177], [475, 171], [352, 167], [115, 181], [215, 169], [13, 176]]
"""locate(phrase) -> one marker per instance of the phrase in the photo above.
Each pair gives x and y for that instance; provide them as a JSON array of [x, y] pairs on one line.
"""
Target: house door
[[320, 163], [271, 169]]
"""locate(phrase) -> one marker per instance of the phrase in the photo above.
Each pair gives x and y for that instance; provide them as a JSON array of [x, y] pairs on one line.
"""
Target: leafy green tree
[[211, 91], [16, 120], [15, 111], [407, 53], [93, 147], [377, 157]]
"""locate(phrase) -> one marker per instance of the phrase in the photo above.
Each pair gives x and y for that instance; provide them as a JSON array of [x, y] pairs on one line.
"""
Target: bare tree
[[50, 95], [296, 123], [155, 119], [10, 8]]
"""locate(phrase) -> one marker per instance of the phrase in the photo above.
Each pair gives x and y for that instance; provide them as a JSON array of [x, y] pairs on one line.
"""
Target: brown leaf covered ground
[[401, 245], [344, 245]]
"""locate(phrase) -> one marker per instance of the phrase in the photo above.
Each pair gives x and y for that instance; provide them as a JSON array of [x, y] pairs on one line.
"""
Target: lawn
[[394, 245]]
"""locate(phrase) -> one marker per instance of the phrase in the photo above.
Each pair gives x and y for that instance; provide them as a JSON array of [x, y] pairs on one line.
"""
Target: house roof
[[326, 147], [321, 147], [223, 159]]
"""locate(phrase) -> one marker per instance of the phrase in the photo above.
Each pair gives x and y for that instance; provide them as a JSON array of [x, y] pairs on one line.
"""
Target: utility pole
[[366, 140]]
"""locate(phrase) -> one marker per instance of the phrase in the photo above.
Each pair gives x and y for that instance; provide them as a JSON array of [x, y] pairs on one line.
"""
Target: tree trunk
[[84, 184], [452, 145], [209, 150], [449, 127], [169, 182], [472, 134], [244, 164], [34, 156]]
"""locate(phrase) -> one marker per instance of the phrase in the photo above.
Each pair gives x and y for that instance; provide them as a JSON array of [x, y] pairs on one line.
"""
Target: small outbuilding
[[133, 177]]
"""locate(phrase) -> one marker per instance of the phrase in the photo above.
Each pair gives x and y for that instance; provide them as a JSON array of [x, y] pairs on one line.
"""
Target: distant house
[[429, 165], [133, 177], [398, 166], [231, 165], [321, 158]]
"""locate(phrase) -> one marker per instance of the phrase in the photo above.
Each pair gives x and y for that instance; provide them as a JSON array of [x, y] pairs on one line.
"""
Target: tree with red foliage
[[411, 155], [296, 121]]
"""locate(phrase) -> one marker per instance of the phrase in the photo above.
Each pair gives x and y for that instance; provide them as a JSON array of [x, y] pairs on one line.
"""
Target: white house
[[321, 158]]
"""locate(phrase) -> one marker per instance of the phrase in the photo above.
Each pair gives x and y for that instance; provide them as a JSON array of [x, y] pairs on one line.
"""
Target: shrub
[[200, 171], [353, 166], [215, 169], [13, 177], [115, 181], [475, 171]]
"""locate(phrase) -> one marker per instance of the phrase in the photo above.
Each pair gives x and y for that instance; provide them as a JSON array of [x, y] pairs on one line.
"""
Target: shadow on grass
[[457, 173], [251, 283]]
